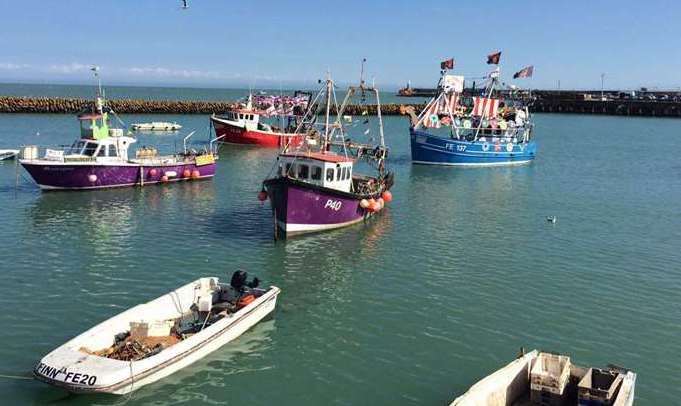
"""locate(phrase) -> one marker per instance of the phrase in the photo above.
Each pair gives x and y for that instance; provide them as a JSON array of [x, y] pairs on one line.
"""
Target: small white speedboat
[[551, 379], [156, 126], [155, 339], [6, 154]]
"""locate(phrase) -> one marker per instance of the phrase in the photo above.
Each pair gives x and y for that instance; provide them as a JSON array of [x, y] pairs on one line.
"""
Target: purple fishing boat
[[315, 188], [99, 159]]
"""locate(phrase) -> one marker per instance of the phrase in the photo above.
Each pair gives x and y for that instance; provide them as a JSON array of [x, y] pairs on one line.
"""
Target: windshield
[[89, 149], [76, 148]]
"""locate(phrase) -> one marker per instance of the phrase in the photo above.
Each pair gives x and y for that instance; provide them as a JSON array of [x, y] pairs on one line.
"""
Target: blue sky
[[269, 43]]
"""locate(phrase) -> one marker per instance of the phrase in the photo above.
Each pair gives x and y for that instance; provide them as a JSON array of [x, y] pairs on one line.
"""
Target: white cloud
[[172, 73], [70, 68], [13, 66]]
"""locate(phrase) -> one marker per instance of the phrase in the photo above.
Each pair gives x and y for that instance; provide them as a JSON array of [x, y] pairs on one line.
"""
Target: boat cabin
[[104, 149], [94, 125], [327, 170]]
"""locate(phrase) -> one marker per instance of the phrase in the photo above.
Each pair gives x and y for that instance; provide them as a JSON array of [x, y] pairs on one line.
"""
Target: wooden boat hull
[[232, 134], [76, 371], [430, 149]]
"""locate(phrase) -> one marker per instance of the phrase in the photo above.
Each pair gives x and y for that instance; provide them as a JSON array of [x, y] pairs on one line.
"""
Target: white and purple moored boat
[[317, 189], [99, 159]]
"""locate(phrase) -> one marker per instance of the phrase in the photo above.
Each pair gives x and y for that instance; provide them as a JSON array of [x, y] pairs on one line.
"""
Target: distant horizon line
[[287, 87]]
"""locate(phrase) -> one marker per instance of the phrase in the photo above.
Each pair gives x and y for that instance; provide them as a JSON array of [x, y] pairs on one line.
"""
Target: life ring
[[509, 147], [466, 123], [485, 146]]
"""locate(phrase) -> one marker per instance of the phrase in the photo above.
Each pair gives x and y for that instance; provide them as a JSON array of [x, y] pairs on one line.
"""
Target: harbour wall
[[621, 107]]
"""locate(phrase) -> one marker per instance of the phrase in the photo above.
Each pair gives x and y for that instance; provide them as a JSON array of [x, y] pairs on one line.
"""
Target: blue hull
[[430, 149]]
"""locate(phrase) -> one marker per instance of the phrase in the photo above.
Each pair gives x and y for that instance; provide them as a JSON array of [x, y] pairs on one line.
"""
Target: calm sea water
[[441, 289]]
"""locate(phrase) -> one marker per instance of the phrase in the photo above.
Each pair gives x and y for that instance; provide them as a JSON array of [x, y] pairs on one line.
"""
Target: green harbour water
[[412, 308]]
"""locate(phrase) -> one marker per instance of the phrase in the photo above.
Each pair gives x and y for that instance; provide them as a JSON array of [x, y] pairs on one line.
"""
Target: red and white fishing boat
[[267, 121]]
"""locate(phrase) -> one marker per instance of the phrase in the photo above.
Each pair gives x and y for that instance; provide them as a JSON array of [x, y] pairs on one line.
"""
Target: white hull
[[6, 154], [156, 127], [81, 372], [507, 385]]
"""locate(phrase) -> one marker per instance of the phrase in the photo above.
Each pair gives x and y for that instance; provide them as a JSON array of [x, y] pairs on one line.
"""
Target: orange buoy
[[196, 174], [245, 301], [372, 205], [381, 202], [186, 173], [164, 178], [364, 203], [387, 196], [262, 195]]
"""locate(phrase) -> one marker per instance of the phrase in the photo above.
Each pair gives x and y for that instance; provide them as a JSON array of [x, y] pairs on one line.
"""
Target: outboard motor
[[254, 283], [239, 279]]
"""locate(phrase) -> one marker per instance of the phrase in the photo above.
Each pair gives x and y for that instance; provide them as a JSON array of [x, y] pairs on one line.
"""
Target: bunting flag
[[432, 110], [452, 102], [493, 59], [524, 72], [485, 106], [448, 64]]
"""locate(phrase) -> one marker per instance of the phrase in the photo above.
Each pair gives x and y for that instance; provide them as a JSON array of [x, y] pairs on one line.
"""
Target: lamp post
[[602, 79]]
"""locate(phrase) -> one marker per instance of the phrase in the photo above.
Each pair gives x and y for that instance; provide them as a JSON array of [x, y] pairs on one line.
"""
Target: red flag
[[524, 72], [493, 59], [448, 64]]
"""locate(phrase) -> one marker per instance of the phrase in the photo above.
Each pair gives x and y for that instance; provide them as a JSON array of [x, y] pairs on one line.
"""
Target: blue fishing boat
[[490, 127]]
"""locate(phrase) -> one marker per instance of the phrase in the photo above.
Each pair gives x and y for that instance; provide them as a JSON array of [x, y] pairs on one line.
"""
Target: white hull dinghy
[[542, 378], [7, 154], [152, 340], [156, 126]]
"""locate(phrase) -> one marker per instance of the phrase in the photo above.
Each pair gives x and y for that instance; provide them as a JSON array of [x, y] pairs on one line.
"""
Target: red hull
[[238, 135]]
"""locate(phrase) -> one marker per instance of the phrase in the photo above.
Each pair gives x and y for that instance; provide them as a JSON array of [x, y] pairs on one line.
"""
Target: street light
[[602, 79]]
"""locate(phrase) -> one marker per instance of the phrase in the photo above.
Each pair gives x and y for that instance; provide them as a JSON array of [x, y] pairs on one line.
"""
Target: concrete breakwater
[[11, 104], [609, 107]]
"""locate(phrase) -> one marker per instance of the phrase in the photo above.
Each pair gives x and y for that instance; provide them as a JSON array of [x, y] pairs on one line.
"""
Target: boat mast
[[329, 85]]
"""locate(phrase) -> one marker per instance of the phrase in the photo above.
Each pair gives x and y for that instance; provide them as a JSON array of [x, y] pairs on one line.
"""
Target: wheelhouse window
[[288, 169], [89, 149], [102, 150], [303, 171], [316, 173], [112, 150], [77, 147], [329, 175], [339, 172]]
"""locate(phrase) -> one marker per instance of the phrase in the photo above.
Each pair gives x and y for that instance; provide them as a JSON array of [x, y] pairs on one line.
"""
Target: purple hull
[[83, 176], [299, 208]]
